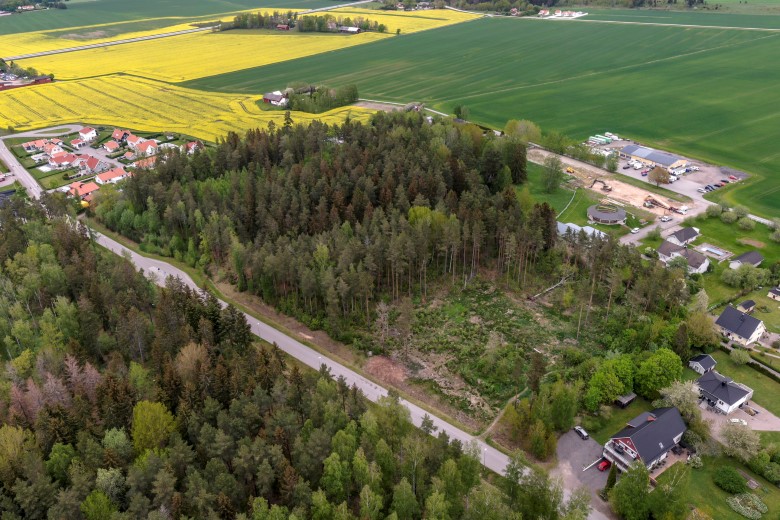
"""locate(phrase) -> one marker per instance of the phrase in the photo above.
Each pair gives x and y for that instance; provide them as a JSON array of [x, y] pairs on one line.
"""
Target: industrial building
[[652, 157]]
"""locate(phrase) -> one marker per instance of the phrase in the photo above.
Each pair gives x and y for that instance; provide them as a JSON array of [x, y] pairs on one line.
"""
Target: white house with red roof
[[88, 134], [52, 149], [129, 156], [62, 160], [120, 135], [90, 164], [78, 143], [112, 176], [82, 189], [149, 162], [111, 146], [133, 141], [34, 146], [192, 146], [147, 148]]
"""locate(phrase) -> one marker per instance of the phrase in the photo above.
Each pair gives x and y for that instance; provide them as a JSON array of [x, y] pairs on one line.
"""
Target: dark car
[[581, 432], [724, 181], [626, 167]]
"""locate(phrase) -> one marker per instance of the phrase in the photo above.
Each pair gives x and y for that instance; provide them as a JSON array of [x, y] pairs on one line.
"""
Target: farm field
[[146, 104], [626, 88], [80, 14], [190, 56], [708, 18], [407, 22]]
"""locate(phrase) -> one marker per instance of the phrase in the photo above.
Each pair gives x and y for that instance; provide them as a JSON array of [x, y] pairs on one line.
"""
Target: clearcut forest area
[[658, 85]]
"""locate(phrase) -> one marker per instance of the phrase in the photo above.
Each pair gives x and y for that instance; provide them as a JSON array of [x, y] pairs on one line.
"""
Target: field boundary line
[[108, 44], [569, 204]]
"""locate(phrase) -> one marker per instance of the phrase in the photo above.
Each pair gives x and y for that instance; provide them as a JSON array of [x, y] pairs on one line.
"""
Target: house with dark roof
[[774, 293], [702, 363], [697, 262], [739, 327], [684, 236], [748, 306], [753, 258], [722, 392], [276, 98], [647, 438]]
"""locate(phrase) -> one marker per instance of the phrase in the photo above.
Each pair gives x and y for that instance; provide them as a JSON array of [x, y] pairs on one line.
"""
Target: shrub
[[746, 224], [714, 211], [741, 211], [729, 480], [728, 217], [747, 505], [696, 462], [739, 356]]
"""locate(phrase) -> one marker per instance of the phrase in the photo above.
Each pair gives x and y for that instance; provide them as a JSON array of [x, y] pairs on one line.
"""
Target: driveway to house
[[764, 421], [573, 455]]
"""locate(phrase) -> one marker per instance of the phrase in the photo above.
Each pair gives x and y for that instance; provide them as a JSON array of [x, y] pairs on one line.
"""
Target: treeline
[[521, 7], [330, 23], [317, 99], [13, 68], [124, 401], [260, 20]]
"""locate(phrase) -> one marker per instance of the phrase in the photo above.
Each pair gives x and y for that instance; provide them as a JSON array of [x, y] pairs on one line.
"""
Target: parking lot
[[574, 454]]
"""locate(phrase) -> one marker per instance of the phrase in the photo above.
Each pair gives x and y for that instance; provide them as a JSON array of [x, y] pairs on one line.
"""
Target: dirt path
[[511, 400]]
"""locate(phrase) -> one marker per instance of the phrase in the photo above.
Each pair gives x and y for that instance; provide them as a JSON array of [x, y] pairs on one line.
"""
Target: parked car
[[569, 169], [733, 178], [695, 168], [724, 181], [701, 190], [666, 218], [604, 465], [626, 166], [644, 174], [743, 422], [581, 432], [635, 230]]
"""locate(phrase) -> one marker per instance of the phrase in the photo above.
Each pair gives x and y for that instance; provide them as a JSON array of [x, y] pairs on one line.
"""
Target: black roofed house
[[702, 363], [747, 306], [668, 250], [722, 392], [753, 258], [684, 236], [648, 438], [740, 327], [774, 293], [697, 262], [276, 98]]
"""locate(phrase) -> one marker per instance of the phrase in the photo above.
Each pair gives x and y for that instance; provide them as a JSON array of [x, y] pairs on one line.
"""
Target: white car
[[666, 218], [743, 422], [635, 230], [701, 190]]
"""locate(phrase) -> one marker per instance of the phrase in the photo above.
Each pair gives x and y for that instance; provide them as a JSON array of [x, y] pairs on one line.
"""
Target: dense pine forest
[[343, 226], [121, 400]]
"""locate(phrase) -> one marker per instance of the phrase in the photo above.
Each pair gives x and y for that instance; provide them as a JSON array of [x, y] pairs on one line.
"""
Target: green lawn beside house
[[601, 429]]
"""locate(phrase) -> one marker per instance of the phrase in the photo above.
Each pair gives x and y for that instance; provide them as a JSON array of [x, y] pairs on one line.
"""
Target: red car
[[732, 177], [604, 465]]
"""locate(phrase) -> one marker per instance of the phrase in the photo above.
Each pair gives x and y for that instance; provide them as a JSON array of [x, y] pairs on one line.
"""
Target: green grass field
[[653, 85], [618, 420], [111, 11], [709, 498], [704, 18]]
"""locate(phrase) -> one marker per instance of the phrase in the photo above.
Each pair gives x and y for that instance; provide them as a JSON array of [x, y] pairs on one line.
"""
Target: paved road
[[107, 44]]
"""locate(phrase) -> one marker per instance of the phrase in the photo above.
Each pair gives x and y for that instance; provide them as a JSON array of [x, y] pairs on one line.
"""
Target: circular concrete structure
[[607, 214]]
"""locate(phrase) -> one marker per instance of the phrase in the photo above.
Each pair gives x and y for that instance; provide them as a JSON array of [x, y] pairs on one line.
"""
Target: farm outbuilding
[[651, 157], [606, 214]]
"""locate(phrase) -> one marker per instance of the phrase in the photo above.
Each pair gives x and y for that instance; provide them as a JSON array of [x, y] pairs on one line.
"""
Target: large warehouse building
[[652, 157]]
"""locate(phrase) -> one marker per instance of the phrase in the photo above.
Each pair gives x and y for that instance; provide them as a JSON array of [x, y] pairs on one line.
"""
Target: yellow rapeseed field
[[407, 21], [191, 56], [146, 105]]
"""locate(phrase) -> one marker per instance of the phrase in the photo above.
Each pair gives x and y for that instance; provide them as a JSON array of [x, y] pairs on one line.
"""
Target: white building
[[722, 392]]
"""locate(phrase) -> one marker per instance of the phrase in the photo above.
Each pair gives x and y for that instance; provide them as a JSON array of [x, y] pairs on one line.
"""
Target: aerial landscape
[[389, 260]]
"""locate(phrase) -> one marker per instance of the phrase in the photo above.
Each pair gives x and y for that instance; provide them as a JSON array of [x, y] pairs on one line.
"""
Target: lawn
[[568, 87], [768, 438], [764, 389], [602, 429], [558, 199], [709, 498]]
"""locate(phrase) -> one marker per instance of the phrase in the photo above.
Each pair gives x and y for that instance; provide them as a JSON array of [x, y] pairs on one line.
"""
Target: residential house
[[88, 134], [112, 176], [78, 144], [34, 146], [111, 146], [702, 363], [120, 135], [739, 327], [82, 189], [774, 293], [276, 98], [129, 156], [282, 27], [684, 236], [147, 163], [62, 160], [697, 262], [753, 258], [133, 141], [51, 149], [722, 392], [90, 165], [647, 438], [147, 148], [748, 306], [192, 146]]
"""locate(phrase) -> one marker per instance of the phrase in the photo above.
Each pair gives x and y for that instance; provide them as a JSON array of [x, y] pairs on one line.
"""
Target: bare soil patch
[[374, 105], [751, 242], [92, 35], [386, 370]]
